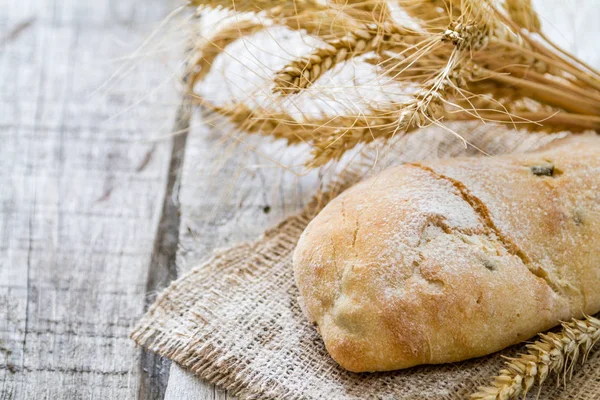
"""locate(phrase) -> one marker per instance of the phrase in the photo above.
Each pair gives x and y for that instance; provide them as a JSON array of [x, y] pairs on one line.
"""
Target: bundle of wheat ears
[[451, 60], [447, 61]]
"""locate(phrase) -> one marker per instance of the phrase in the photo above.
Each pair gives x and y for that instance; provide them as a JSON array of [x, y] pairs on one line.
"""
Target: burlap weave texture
[[236, 320]]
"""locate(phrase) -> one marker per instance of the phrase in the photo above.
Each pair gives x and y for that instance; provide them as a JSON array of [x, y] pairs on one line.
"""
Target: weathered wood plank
[[229, 194], [155, 369], [82, 194], [185, 386]]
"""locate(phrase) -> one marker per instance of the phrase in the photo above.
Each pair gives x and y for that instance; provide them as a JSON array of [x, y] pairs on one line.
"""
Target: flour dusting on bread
[[452, 259]]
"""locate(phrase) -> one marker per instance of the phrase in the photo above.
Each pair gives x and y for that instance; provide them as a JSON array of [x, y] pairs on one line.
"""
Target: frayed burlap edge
[[165, 329], [155, 331], [205, 363]]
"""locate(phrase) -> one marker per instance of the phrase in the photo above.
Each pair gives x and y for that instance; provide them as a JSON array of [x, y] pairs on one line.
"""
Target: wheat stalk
[[208, 52], [553, 353], [303, 72], [279, 125]]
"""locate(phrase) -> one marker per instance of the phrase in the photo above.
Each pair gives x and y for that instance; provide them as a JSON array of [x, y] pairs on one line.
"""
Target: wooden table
[[99, 207], [89, 200], [82, 191]]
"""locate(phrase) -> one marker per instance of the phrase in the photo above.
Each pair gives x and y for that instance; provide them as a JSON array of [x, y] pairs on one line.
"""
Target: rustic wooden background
[[82, 189], [90, 215], [101, 206]]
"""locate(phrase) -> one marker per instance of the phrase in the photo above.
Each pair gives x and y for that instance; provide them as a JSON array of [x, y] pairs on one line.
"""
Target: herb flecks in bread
[[447, 260], [543, 169]]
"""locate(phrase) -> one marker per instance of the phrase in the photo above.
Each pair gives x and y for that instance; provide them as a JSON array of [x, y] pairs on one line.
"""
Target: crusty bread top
[[452, 259]]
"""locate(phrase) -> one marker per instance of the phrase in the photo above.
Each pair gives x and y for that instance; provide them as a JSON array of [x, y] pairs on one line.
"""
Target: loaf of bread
[[446, 260]]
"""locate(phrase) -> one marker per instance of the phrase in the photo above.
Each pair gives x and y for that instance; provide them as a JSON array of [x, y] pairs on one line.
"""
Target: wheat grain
[[553, 353], [466, 36], [523, 14], [364, 11], [341, 134], [279, 125], [289, 7], [303, 72], [434, 15], [325, 24]]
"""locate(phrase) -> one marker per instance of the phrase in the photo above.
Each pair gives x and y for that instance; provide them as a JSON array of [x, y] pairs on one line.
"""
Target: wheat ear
[[292, 6], [303, 72], [426, 107], [554, 353], [364, 10], [523, 14], [325, 24], [276, 124], [337, 136], [431, 13]]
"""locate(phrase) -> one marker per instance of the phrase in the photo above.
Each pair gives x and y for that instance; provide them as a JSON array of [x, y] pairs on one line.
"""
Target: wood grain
[[155, 369], [82, 194], [229, 194]]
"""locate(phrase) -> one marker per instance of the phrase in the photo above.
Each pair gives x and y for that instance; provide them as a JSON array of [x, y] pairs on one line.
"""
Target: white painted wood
[[81, 190]]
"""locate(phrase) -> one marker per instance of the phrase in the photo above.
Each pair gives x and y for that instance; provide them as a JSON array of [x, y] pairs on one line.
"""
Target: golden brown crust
[[448, 260]]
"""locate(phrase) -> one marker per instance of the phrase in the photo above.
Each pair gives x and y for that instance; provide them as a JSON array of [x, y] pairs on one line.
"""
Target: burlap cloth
[[236, 321]]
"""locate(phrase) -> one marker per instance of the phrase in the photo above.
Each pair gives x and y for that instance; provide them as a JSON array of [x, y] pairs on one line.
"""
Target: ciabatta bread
[[442, 261]]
